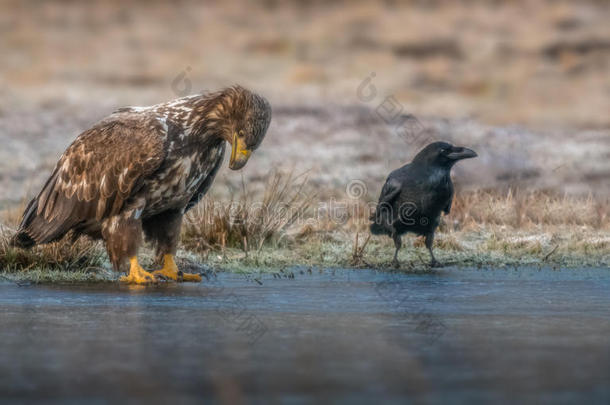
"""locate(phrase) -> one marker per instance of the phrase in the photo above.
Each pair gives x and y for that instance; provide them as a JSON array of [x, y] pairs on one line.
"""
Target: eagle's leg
[[123, 236], [170, 271], [137, 275], [164, 231]]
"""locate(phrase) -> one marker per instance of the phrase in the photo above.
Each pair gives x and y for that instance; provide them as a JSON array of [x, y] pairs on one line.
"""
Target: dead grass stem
[[244, 222]]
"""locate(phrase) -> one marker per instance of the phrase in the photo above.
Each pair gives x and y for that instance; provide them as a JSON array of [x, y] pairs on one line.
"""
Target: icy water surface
[[349, 336]]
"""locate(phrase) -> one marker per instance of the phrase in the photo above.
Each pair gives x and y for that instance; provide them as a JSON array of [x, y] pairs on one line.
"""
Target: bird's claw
[[139, 279], [179, 276], [137, 275], [435, 264], [171, 272], [195, 278]]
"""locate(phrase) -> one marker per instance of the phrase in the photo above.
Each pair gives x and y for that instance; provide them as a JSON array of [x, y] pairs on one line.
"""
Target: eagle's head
[[246, 118]]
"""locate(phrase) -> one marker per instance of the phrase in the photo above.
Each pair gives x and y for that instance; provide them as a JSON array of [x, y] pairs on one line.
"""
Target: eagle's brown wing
[[98, 172]]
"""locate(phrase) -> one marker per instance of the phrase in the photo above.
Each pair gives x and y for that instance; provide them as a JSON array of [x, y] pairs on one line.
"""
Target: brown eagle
[[139, 170]]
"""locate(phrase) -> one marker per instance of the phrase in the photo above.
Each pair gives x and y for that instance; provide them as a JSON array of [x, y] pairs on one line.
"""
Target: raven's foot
[[137, 275], [396, 263], [435, 264], [170, 271]]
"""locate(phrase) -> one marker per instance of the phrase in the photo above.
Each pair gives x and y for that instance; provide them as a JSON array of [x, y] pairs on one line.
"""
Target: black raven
[[413, 196]]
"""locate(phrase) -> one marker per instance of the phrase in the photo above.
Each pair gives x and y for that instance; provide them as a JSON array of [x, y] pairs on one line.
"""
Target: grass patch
[[282, 232], [245, 222], [64, 255]]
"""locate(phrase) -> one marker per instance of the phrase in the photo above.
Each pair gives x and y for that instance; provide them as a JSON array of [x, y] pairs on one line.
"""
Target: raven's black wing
[[390, 191], [384, 213], [447, 208]]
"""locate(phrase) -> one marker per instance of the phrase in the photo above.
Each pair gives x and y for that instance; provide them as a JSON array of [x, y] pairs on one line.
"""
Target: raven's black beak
[[459, 153]]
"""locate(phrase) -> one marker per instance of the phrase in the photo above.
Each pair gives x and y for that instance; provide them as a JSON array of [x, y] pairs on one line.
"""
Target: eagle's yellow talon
[[137, 275], [171, 272], [191, 277]]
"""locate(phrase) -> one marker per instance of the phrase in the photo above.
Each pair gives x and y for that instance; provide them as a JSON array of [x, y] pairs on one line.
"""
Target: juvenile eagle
[[414, 195], [140, 169]]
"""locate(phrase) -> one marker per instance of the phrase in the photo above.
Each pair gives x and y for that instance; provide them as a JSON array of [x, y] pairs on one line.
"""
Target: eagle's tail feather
[[23, 240], [35, 229]]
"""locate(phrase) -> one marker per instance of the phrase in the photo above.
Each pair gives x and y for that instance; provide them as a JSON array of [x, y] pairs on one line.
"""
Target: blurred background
[[357, 87]]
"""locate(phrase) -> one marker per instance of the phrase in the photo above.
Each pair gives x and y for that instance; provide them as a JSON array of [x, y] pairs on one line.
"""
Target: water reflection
[[355, 336]]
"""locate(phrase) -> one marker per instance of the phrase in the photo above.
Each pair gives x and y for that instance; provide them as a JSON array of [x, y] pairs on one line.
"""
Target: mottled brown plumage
[[141, 168]]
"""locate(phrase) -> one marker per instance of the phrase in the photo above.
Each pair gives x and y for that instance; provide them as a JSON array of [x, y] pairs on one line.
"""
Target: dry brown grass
[[487, 227], [484, 227], [247, 223], [522, 209], [82, 255], [514, 209]]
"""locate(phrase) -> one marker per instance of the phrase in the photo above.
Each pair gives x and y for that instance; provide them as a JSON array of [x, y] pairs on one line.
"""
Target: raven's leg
[[398, 245], [429, 243], [164, 231]]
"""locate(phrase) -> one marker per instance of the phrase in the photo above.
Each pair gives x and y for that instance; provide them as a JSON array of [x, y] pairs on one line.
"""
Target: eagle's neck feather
[[211, 115], [215, 115]]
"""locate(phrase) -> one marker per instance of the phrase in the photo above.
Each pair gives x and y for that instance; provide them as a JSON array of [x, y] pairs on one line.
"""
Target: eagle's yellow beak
[[239, 153]]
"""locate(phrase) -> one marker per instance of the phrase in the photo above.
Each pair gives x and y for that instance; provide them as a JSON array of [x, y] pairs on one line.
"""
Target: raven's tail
[[377, 229], [382, 224]]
